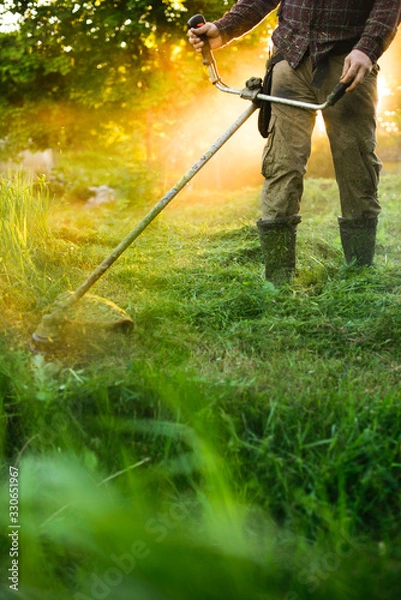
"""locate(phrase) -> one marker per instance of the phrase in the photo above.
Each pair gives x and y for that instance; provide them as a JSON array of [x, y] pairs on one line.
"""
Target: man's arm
[[379, 32], [380, 28], [242, 17]]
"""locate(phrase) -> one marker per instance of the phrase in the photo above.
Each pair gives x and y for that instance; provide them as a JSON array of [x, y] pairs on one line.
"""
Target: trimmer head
[[89, 318]]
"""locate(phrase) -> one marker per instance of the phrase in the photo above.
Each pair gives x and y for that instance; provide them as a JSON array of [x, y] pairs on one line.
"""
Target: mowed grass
[[249, 437]]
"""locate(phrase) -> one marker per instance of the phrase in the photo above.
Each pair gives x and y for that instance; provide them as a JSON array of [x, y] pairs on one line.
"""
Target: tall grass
[[242, 442], [140, 488], [172, 486], [24, 209], [25, 233]]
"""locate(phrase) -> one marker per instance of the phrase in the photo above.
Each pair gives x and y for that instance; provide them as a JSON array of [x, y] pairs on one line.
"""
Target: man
[[317, 44]]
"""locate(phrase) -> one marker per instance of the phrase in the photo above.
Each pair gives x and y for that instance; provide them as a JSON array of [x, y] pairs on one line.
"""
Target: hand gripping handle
[[337, 93], [195, 22]]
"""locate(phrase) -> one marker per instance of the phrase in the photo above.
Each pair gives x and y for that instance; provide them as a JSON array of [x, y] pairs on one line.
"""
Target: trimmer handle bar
[[209, 61]]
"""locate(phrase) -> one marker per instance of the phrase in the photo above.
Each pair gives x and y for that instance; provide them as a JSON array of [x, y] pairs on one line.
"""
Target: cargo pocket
[[372, 163]]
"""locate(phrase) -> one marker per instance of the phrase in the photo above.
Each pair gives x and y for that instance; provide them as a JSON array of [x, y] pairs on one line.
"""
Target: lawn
[[241, 441]]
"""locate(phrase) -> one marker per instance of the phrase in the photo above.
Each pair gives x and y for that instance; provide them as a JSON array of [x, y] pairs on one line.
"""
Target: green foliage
[[73, 74], [66, 58], [83, 50]]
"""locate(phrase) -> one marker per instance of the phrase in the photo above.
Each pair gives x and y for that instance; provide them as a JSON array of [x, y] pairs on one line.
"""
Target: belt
[[342, 47]]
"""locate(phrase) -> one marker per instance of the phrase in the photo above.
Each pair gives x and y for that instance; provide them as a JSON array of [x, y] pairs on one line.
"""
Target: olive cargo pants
[[351, 128]]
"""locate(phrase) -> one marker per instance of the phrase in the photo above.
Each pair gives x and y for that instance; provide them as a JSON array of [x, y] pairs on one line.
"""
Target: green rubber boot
[[278, 240], [358, 239]]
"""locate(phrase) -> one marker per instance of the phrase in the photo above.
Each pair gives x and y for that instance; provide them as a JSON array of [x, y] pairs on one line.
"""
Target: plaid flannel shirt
[[318, 26]]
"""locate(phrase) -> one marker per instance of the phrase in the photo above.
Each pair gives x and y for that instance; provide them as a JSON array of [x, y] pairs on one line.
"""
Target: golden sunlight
[[384, 91], [386, 116], [320, 128]]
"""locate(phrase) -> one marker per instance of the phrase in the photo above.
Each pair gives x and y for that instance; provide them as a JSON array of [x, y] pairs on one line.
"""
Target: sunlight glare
[[384, 91], [320, 127], [9, 22]]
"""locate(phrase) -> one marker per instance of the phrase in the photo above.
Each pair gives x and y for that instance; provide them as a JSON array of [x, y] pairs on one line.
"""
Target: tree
[[70, 64], [91, 54], [82, 50]]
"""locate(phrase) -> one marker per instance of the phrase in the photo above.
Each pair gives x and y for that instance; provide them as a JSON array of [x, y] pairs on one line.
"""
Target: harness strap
[[265, 109]]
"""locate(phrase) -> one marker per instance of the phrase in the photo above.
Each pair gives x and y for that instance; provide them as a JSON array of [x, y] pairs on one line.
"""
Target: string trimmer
[[52, 329]]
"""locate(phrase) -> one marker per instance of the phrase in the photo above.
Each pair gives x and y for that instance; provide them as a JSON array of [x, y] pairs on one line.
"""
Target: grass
[[242, 441], [24, 231]]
